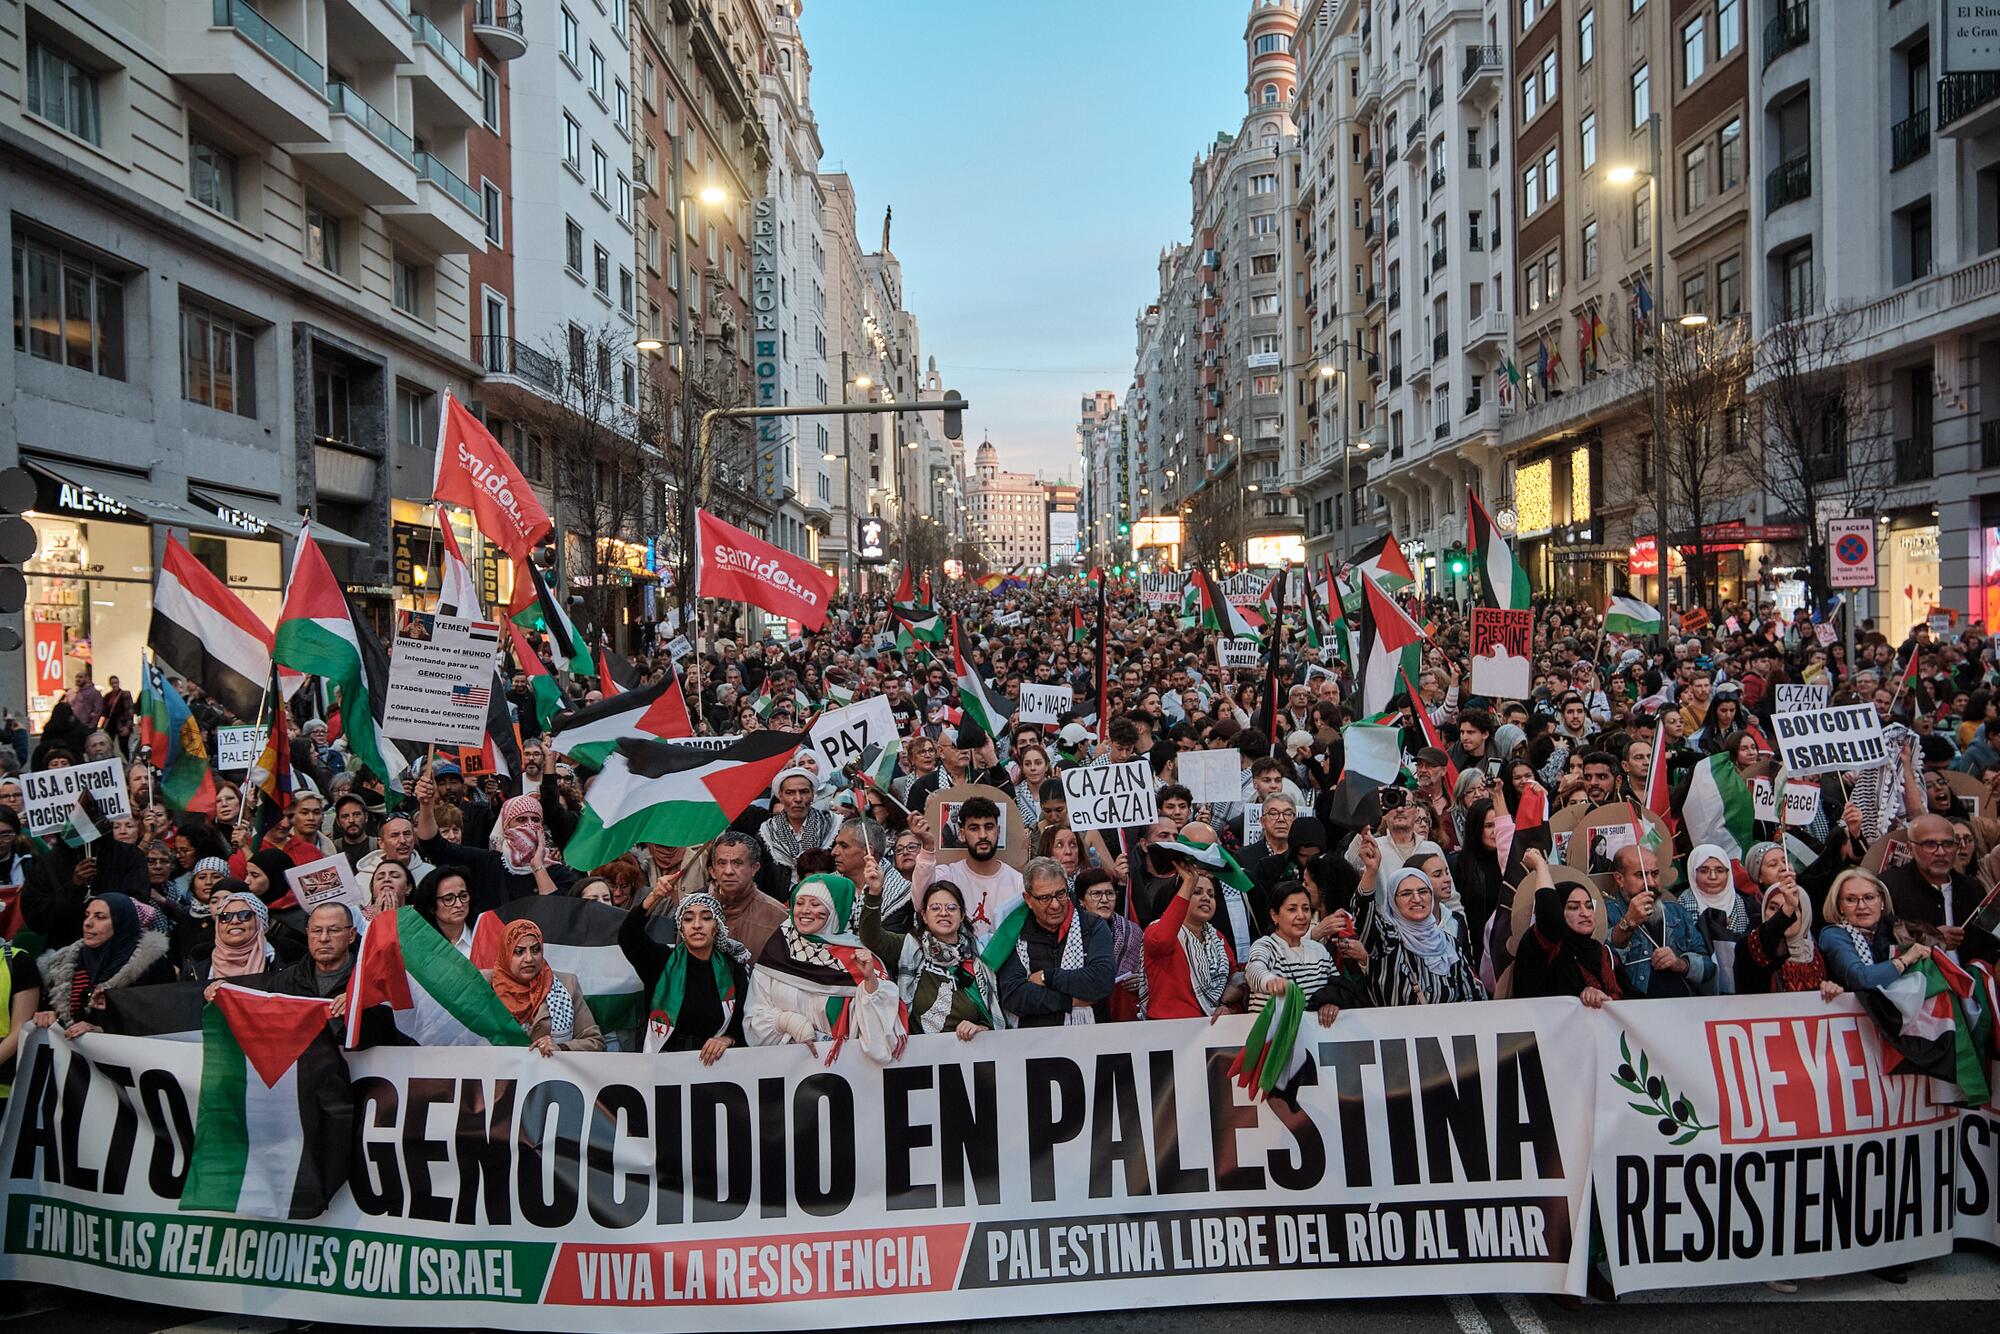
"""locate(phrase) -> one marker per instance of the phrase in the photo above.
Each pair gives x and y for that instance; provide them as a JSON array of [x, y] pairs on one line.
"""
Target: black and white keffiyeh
[[787, 843], [1208, 965]]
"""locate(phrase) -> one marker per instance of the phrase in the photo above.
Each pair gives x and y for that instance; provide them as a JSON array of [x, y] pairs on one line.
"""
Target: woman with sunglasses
[[240, 948]]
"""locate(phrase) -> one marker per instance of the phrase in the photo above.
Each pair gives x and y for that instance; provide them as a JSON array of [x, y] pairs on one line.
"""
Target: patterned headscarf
[[512, 811]]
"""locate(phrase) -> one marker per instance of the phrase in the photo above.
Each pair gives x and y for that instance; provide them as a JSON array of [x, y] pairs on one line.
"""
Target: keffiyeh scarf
[[787, 843], [1864, 944], [1208, 965], [954, 964]]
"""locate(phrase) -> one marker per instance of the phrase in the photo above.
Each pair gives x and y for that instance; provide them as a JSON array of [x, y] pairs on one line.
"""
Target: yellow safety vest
[[6, 1007]]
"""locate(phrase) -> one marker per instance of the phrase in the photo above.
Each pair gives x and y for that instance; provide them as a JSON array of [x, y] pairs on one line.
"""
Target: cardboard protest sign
[[1829, 740], [1111, 796], [1502, 648], [328, 880], [237, 748], [840, 735], [1231, 654], [440, 679], [1801, 801], [1792, 697], [1044, 704], [1015, 845], [50, 793], [1211, 776]]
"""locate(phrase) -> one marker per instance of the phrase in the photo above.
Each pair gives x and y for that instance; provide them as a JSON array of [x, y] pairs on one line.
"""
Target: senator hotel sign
[[764, 317]]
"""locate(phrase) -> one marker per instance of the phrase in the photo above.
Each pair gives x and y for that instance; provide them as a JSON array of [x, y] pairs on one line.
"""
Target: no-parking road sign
[[1852, 544]]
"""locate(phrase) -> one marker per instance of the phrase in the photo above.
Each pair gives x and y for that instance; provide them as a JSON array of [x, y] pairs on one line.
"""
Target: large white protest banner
[[1211, 776], [50, 793], [440, 679], [1829, 740], [1044, 704], [840, 735], [1792, 696], [1161, 590], [1111, 796]]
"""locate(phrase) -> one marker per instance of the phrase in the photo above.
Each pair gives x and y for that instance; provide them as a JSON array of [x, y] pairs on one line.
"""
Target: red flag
[[472, 471], [736, 567], [1431, 735], [606, 682], [905, 590], [926, 589], [1659, 795]]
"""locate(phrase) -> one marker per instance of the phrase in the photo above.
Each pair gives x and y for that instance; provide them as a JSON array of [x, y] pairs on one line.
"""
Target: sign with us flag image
[[440, 679]]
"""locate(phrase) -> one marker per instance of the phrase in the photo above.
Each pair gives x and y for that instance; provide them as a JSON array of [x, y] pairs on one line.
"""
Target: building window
[[1531, 191], [621, 106], [68, 310], [1728, 26], [62, 92], [1795, 287], [1549, 76], [1642, 216], [1694, 177], [1587, 140], [1588, 249], [1694, 293], [409, 287], [1729, 154], [1642, 95], [489, 97], [597, 74], [491, 208], [332, 409], [1274, 43], [1263, 184], [624, 199], [1270, 94], [601, 265], [628, 385], [212, 176], [1586, 38], [625, 290], [1551, 276], [600, 173], [1530, 98], [1531, 283], [1694, 50], [410, 416], [572, 246], [218, 361], [323, 240], [1264, 224], [1729, 287], [570, 44], [1551, 173], [572, 142], [653, 246], [1917, 240], [1265, 304]]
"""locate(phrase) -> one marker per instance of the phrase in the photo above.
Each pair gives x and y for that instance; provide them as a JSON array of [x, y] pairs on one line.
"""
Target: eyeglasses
[[1936, 844], [1046, 898], [1417, 892], [240, 915], [453, 898]]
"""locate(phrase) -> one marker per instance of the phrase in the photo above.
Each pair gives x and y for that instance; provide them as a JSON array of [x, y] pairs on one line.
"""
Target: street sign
[[872, 540], [1851, 543]]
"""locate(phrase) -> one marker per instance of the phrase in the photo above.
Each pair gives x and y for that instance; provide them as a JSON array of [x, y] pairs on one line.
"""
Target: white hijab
[[1720, 900]]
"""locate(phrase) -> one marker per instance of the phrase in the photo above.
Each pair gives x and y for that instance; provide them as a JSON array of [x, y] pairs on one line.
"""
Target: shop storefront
[[1742, 561], [1910, 571], [416, 556]]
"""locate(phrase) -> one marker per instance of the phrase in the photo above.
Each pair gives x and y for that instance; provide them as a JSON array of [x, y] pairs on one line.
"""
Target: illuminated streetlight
[[649, 344], [1694, 319], [1623, 175], [1327, 372], [713, 195]]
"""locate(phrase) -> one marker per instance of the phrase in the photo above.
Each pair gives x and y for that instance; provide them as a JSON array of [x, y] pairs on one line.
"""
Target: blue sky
[[1036, 154]]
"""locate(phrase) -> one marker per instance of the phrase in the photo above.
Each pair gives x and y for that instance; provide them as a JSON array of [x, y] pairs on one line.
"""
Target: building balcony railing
[[1371, 162], [1789, 28], [1910, 139], [1959, 95], [498, 26], [446, 50], [1913, 459], [346, 102], [1438, 258], [1395, 228], [1787, 183], [1441, 430], [1436, 98], [1395, 300], [263, 33], [1369, 229], [1989, 444], [1437, 178], [503, 354], [434, 171], [1440, 345], [1474, 241], [1415, 134], [1395, 377], [1479, 60]]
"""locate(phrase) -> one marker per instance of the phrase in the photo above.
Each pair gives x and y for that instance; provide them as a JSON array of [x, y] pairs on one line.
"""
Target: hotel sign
[[765, 342]]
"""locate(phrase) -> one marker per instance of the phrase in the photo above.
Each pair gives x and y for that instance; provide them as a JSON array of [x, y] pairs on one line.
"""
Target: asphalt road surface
[[1955, 1295]]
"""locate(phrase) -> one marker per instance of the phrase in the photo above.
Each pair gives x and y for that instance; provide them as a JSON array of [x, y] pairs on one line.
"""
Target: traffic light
[[1456, 561], [17, 545], [954, 419], [1124, 529]]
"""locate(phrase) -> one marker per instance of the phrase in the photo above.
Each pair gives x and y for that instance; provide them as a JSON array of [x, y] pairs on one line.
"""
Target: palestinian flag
[[614, 676], [766, 703], [905, 588], [1190, 607], [1933, 1022], [169, 731], [1502, 581], [274, 1128], [1374, 757], [1391, 648], [1431, 735], [1385, 564], [1624, 615], [1913, 683], [536, 608], [657, 712], [1272, 1054], [1078, 632], [434, 994], [541, 681], [876, 766], [318, 636], [171, 1010], [1527, 830], [580, 937], [1212, 609], [1718, 808], [501, 748], [978, 706], [80, 828], [676, 796], [206, 633], [457, 594]]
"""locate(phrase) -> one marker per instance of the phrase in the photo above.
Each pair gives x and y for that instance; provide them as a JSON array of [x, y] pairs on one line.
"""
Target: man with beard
[[796, 826], [1061, 965], [989, 886]]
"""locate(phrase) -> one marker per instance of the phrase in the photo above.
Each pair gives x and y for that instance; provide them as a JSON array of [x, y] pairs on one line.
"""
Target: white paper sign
[[440, 679], [49, 793], [1044, 704], [1007, 619], [1111, 796], [237, 748], [678, 647], [1940, 625], [1829, 740], [1211, 776], [1792, 697], [1253, 823], [1825, 634], [1501, 675], [841, 734], [328, 880], [1231, 654], [1801, 802], [1160, 590]]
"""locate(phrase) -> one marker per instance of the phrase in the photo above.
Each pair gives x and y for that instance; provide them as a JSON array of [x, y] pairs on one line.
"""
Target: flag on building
[[657, 712], [1542, 361], [434, 994], [541, 682], [457, 594], [206, 633], [1510, 379], [274, 1126], [578, 937], [535, 607], [1374, 756], [1384, 562], [1391, 648], [318, 635], [978, 706], [1933, 1022], [1600, 337], [1626, 615], [1718, 808], [1502, 581], [177, 749], [675, 795]]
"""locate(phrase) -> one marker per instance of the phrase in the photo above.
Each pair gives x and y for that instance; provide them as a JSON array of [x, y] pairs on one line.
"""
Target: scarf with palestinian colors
[[670, 991], [834, 947], [1272, 1054]]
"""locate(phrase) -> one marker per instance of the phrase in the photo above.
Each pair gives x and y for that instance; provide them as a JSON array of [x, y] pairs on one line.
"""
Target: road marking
[[1524, 1318], [1466, 1313]]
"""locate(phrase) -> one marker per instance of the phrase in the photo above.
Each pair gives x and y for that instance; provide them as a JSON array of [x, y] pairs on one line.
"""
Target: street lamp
[[649, 344], [713, 195], [1626, 176]]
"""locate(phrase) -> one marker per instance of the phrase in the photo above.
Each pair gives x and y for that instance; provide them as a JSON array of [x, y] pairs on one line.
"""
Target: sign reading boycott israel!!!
[[1829, 740], [1111, 796]]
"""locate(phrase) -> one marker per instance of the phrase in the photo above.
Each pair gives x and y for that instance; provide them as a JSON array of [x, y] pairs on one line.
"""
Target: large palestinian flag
[[672, 794], [318, 636], [1391, 648], [434, 994], [1385, 563], [1718, 807], [207, 634], [657, 712], [275, 1125], [1213, 611], [1502, 581], [579, 937], [1935, 1026]]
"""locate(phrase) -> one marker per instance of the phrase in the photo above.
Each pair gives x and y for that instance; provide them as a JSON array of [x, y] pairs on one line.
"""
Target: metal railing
[[1788, 182], [1437, 179], [1440, 344], [434, 171], [1789, 28], [1396, 377], [503, 354], [1394, 229], [492, 14], [262, 33], [1479, 60], [429, 34], [346, 102], [1395, 300], [1909, 139], [1962, 94], [1438, 257], [1913, 459], [1436, 98]]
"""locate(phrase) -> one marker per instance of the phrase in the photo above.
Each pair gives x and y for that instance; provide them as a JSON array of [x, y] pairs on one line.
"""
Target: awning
[[75, 491], [254, 515]]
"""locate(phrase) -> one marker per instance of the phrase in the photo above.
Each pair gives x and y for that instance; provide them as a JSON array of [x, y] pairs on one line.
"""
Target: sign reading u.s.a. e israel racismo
[[1076, 1169]]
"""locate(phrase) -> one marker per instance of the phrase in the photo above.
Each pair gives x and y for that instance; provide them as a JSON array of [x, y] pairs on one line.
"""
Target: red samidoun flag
[[473, 472], [737, 567]]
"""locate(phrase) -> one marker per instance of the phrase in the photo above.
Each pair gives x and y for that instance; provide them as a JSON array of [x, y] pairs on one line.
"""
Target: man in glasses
[[1928, 888]]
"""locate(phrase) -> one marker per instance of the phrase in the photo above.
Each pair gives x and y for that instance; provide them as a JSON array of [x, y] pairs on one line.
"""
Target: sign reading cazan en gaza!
[[1114, 1165]]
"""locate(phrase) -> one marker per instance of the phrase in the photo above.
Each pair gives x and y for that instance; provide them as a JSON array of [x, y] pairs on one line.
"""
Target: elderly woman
[[1560, 954], [548, 1005], [115, 951], [1859, 940], [1779, 955], [239, 948], [816, 983], [698, 984], [1722, 913], [1289, 955], [945, 985], [1097, 894], [1418, 949], [1062, 844]]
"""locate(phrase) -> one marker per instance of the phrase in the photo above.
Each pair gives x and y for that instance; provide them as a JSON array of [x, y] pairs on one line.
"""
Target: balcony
[[1395, 228], [1437, 178], [1440, 344], [1261, 361], [1787, 183], [1415, 134], [448, 215], [1488, 326], [1989, 444], [365, 154], [1420, 369], [248, 67], [1480, 74], [1438, 258], [1395, 300], [1441, 430], [1913, 459], [1395, 377], [498, 27], [1436, 99], [1374, 366], [1474, 241], [1910, 139], [1369, 230], [1968, 103], [1371, 163], [444, 84], [1789, 29]]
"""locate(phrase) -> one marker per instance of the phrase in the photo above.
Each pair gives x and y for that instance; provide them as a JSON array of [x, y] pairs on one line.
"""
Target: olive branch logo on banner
[[1674, 1117]]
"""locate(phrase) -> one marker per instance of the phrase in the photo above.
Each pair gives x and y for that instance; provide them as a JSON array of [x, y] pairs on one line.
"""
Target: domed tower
[[987, 461], [1267, 39]]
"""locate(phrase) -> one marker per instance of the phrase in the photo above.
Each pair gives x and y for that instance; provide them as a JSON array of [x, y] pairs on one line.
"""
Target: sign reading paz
[[1829, 740], [841, 735], [1111, 796], [1044, 704], [440, 679], [1502, 642]]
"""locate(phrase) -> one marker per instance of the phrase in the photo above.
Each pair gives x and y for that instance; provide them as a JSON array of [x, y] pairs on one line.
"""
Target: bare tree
[[1826, 451], [1704, 377]]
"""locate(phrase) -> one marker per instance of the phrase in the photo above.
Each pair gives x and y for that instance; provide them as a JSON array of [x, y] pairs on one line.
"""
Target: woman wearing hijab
[[945, 985], [548, 1005], [115, 951], [1560, 954], [1418, 950], [239, 948], [814, 982], [1858, 942], [1722, 913], [1779, 956], [698, 984]]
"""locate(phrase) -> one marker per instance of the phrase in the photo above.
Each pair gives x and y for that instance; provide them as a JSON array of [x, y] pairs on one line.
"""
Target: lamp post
[[712, 196], [1625, 176]]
